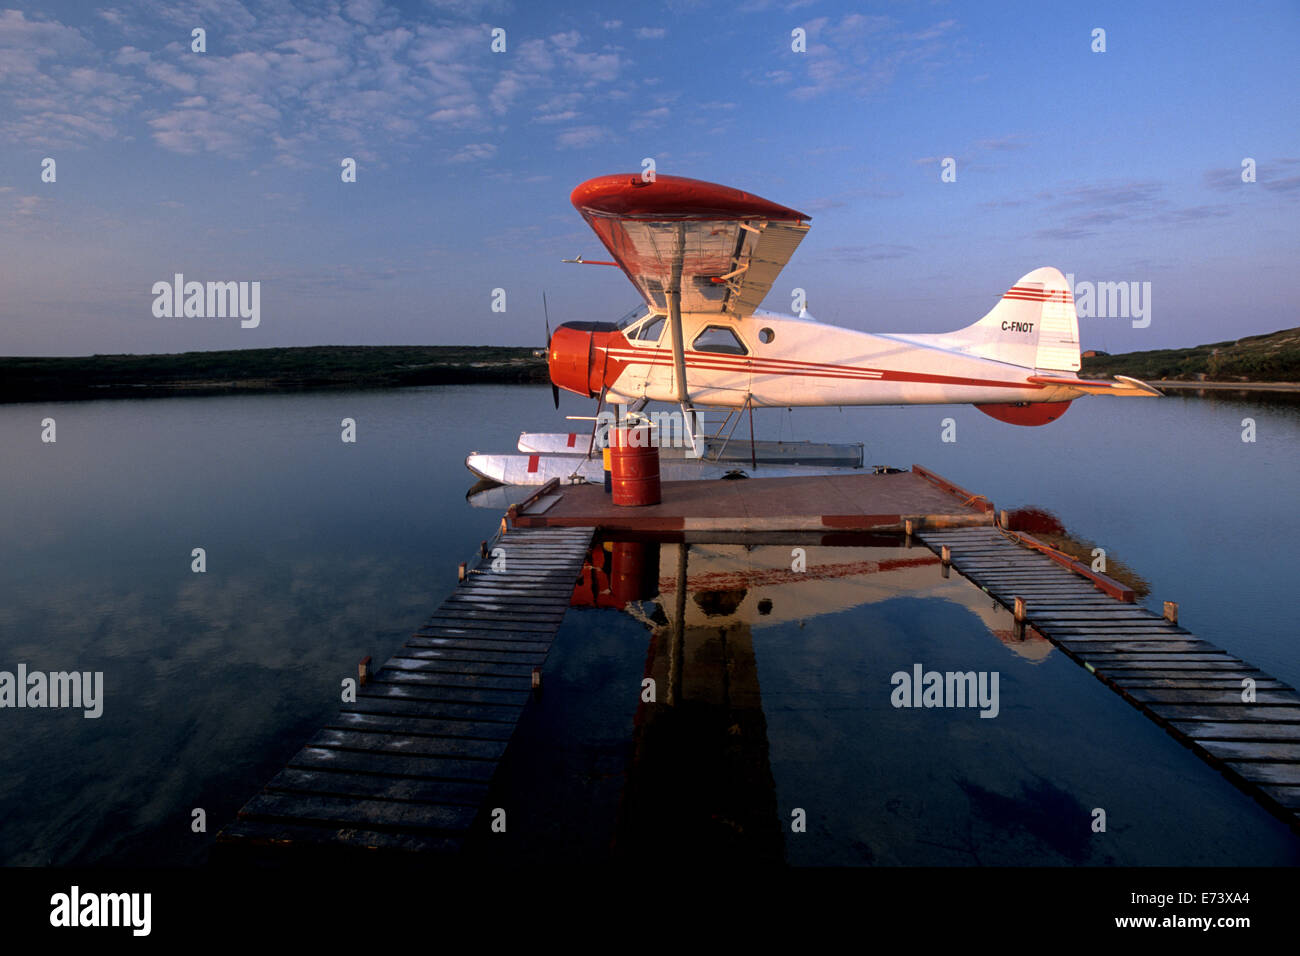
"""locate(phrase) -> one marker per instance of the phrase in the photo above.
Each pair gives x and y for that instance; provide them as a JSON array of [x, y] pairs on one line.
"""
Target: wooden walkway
[[407, 766], [1189, 686]]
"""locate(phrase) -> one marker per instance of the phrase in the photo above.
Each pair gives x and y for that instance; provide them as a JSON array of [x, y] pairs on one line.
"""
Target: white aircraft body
[[703, 257]]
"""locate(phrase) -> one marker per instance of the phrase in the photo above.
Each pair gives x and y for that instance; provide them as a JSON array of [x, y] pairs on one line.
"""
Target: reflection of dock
[[844, 502], [1233, 715], [406, 766]]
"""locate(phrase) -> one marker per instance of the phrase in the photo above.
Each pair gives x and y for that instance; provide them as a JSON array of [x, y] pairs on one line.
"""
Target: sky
[[1122, 165]]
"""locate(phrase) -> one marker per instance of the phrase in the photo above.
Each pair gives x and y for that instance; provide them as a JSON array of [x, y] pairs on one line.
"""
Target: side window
[[651, 330], [719, 338]]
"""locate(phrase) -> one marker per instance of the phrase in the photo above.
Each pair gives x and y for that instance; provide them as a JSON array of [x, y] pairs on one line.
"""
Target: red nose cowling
[[579, 357], [569, 360]]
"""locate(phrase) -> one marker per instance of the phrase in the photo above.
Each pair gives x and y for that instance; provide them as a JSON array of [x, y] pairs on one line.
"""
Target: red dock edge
[[514, 510], [1112, 587], [979, 502]]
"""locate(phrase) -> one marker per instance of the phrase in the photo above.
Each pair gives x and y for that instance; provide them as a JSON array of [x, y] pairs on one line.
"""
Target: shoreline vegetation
[[259, 371], [1258, 363]]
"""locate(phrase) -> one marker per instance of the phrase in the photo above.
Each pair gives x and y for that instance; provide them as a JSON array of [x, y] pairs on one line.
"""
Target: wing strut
[[674, 296]]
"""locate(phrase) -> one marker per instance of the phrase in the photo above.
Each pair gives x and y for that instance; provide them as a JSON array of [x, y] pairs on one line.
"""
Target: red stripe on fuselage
[[716, 362]]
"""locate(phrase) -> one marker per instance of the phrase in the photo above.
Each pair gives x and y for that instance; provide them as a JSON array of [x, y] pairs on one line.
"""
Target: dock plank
[[373, 741], [1210, 730], [344, 784], [351, 811], [279, 836], [1280, 772], [406, 766], [1188, 685], [422, 726]]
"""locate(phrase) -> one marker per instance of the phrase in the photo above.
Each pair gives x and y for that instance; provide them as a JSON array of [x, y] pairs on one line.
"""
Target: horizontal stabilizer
[[1122, 386]]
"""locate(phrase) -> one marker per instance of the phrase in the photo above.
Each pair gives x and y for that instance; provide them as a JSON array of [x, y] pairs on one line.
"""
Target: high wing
[[723, 248]]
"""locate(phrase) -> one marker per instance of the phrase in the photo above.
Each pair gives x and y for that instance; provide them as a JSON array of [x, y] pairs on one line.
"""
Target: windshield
[[635, 314]]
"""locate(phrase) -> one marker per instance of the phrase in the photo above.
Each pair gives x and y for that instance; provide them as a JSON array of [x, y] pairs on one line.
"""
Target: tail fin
[[1033, 326]]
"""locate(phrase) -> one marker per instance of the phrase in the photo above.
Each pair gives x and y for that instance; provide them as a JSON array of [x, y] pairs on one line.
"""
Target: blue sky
[[224, 165]]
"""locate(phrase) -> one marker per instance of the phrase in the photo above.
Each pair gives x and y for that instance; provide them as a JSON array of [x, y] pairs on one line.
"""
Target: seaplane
[[703, 258]]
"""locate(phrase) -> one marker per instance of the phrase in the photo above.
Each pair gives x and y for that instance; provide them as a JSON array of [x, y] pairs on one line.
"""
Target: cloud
[[1287, 185], [1084, 211], [561, 117], [580, 137], [650, 118], [57, 89], [282, 83], [872, 253], [651, 33], [473, 152], [1267, 176], [1002, 143], [845, 197], [457, 115], [29, 205], [861, 54]]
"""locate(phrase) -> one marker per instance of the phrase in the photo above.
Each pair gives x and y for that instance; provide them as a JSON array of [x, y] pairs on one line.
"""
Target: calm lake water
[[320, 552]]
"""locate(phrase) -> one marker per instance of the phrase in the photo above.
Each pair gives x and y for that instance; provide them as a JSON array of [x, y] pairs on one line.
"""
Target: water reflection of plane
[[757, 585], [700, 784]]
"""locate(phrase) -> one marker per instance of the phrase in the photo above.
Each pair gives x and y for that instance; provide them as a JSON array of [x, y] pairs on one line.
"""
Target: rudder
[[1033, 325]]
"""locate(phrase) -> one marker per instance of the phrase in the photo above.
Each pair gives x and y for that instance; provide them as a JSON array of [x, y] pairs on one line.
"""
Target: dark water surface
[[319, 552]]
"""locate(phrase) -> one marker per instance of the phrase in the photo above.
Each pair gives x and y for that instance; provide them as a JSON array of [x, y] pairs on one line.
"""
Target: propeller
[[555, 389]]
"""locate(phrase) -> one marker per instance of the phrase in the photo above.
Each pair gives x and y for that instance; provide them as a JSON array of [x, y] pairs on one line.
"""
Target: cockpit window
[[719, 338], [648, 331], [635, 314]]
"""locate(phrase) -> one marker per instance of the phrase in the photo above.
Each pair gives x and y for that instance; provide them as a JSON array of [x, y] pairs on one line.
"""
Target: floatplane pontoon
[[703, 257]]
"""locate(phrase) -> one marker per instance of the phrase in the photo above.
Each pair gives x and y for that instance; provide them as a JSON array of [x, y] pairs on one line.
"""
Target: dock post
[[482, 549], [461, 570], [1171, 612], [945, 559], [907, 530], [1018, 628], [1004, 520], [363, 670], [537, 678], [1020, 610]]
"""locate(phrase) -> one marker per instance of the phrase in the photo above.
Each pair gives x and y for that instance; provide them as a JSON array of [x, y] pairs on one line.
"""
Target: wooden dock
[[406, 766], [842, 502], [1195, 690]]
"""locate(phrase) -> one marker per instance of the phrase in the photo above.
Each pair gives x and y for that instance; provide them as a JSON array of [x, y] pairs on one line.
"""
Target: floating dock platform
[[824, 503]]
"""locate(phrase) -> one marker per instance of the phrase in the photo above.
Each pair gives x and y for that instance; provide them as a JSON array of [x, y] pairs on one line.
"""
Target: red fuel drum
[[634, 466]]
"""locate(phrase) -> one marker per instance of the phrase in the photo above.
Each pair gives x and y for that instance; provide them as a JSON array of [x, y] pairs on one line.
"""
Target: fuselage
[[783, 360]]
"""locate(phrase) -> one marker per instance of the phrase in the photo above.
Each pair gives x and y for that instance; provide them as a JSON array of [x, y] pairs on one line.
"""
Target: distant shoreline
[[1258, 363], [344, 367], [264, 371], [1179, 386]]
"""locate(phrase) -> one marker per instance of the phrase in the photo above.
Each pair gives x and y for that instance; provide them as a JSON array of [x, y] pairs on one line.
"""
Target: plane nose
[[569, 360]]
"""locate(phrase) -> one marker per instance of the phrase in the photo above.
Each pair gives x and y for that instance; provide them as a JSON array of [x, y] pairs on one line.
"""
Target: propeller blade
[[555, 389]]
